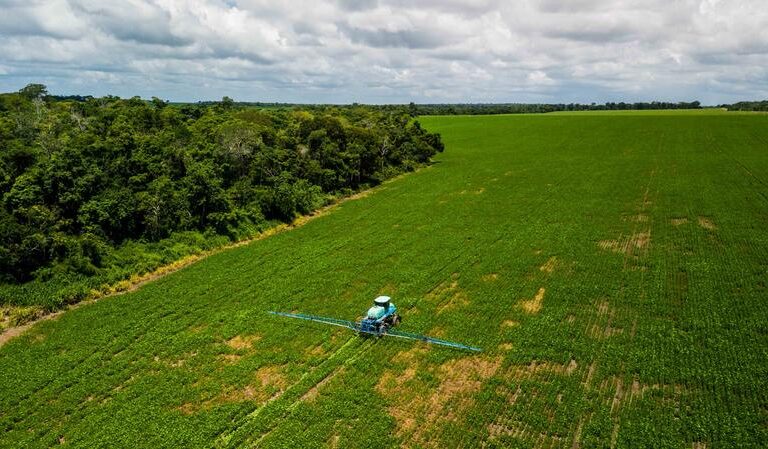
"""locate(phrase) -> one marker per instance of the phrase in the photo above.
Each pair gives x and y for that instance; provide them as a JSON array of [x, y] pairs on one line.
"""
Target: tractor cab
[[380, 317]]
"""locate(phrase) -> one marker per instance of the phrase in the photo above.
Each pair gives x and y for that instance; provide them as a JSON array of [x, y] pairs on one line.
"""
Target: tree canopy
[[81, 178]]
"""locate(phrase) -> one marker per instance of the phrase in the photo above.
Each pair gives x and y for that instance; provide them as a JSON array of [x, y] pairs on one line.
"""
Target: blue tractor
[[380, 317]]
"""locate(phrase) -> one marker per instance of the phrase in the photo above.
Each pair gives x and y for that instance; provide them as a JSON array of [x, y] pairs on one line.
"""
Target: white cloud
[[539, 78], [390, 50]]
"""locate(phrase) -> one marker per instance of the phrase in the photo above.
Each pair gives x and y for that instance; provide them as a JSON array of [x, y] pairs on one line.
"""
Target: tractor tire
[[396, 320]]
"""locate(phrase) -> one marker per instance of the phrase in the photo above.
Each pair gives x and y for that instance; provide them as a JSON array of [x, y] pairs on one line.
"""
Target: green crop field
[[613, 268]]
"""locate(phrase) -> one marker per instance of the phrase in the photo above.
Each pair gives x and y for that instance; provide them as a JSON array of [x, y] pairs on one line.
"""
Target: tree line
[[96, 189], [747, 106], [540, 108]]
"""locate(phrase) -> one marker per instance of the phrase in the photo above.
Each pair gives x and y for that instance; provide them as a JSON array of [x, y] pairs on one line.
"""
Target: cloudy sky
[[390, 51]]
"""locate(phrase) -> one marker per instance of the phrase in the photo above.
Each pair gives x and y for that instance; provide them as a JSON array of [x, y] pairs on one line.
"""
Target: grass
[[612, 266]]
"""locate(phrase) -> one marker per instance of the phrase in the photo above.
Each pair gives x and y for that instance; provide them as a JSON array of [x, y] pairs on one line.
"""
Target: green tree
[[33, 91]]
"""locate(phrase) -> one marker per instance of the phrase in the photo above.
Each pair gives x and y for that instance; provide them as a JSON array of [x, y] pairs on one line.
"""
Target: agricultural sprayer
[[379, 321]]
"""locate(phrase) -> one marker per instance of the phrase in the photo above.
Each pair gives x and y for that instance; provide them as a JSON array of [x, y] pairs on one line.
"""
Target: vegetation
[[94, 190], [491, 108], [536, 108], [748, 106], [611, 266]]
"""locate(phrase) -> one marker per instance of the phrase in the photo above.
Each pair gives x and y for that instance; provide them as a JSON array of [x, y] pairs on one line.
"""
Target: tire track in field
[[642, 208], [239, 434], [291, 409], [719, 149], [644, 204]]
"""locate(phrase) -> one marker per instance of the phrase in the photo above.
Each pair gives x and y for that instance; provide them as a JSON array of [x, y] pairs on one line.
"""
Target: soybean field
[[612, 266]]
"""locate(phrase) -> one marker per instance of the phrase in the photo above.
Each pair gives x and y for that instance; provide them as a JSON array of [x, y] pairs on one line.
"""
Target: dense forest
[[96, 189]]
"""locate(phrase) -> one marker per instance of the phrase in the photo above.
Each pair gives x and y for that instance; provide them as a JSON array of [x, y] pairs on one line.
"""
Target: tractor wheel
[[397, 320]]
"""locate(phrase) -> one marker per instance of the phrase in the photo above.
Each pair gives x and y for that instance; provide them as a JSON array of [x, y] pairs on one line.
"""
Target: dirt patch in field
[[633, 245], [415, 415], [622, 392], [604, 308], [270, 376], [230, 359], [197, 328], [490, 277], [535, 304], [509, 323], [541, 370], [576, 444], [550, 265], [479, 191], [175, 362], [241, 342], [315, 351], [678, 221], [515, 388], [506, 346], [519, 429], [394, 385], [268, 382], [438, 331], [388, 290], [640, 240], [707, 224], [511, 396], [391, 379], [459, 380], [639, 218], [600, 332], [590, 374], [603, 328]]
